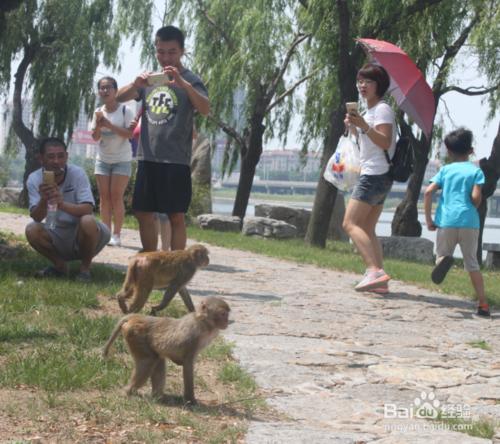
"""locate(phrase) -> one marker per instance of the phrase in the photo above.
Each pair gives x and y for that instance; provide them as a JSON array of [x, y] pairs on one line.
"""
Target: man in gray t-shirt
[[76, 234], [169, 101]]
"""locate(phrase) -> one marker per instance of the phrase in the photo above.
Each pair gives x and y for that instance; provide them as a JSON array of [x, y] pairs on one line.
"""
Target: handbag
[[342, 169], [402, 163]]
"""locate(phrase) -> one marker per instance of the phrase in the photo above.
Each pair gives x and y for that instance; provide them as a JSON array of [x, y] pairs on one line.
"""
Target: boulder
[[408, 248], [10, 195], [267, 227], [297, 217], [219, 222]]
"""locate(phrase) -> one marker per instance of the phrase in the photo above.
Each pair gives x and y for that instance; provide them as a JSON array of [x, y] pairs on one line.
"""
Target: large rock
[[267, 227], [408, 248], [10, 195], [299, 217], [201, 176], [219, 222]]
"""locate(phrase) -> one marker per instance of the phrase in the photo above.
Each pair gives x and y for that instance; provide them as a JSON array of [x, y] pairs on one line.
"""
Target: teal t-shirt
[[455, 208]]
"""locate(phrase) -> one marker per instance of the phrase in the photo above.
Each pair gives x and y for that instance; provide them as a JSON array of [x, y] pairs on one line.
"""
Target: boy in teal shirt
[[457, 218]]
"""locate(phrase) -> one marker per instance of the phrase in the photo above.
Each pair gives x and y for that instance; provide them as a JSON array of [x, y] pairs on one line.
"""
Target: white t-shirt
[[112, 147], [371, 157]]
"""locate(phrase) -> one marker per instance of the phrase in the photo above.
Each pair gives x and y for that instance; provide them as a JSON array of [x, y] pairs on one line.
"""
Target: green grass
[[481, 428], [340, 256], [51, 335], [483, 345]]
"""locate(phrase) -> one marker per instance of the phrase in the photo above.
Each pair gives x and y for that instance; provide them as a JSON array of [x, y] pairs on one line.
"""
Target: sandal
[[50, 272]]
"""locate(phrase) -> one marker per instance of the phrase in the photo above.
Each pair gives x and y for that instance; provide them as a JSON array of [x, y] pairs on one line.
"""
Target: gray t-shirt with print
[[167, 122]]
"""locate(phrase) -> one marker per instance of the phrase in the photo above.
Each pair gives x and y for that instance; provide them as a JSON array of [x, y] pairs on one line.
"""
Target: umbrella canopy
[[408, 86]]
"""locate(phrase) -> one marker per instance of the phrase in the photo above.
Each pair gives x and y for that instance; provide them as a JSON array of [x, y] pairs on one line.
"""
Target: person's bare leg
[[354, 222], [369, 226], [178, 227], [87, 238], [148, 230], [165, 234], [118, 186], [40, 240], [104, 187], [477, 282]]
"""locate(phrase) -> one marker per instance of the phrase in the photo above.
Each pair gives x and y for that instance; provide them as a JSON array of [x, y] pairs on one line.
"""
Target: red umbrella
[[408, 86]]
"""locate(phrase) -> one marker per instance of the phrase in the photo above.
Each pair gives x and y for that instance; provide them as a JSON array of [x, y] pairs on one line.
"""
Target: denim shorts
[[372, 189], [113, 169]]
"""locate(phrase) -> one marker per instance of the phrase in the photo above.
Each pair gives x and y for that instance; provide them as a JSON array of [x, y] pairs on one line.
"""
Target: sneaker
[[83, 276], [371, 280], [50, 272], [382, 289], [483, 311], [441, 269], [115, 241]]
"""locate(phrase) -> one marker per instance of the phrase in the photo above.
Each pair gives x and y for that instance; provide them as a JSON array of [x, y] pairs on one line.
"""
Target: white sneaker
[[115, 241]]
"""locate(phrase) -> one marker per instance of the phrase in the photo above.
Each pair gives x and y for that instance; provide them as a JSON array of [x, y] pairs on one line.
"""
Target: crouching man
[[75, 234]]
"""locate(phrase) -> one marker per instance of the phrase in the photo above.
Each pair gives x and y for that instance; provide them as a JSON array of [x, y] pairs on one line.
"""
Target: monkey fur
[[151, 340], [170, 270]]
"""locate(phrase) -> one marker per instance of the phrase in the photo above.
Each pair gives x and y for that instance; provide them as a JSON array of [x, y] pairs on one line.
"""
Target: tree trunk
[[405, 221], [491, 170], [326, 193], [324, 200], [25, 134], [249, 159]]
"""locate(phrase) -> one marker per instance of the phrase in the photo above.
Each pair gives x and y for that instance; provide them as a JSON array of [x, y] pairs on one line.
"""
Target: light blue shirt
[[455, 208]]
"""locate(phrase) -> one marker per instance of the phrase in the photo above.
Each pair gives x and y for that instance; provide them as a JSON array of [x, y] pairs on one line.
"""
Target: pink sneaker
[[383, 289], [372, 279]]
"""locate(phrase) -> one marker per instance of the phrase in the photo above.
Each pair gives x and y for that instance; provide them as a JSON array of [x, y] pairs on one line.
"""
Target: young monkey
[[151, 340], [171, 270]]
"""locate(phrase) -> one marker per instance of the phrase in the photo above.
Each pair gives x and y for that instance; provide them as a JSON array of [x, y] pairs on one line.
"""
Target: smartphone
[[352, 108], [157, 79], [48, 177]]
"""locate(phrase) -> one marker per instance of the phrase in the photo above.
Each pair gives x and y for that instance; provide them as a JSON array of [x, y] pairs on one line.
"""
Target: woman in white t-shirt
[[111, 126], [376, 132]]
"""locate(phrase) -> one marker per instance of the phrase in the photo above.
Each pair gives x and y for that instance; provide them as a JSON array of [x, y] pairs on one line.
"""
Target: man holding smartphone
[[163, 181], [77, 235]]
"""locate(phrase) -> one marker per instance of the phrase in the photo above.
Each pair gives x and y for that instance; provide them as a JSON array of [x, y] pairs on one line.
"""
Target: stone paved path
[[344, 367]]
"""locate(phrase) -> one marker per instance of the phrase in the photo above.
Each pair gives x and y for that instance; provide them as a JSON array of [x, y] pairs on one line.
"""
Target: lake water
[[491, 233]]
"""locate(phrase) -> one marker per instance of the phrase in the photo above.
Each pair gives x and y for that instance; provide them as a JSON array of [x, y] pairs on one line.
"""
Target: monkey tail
[[114, 335]]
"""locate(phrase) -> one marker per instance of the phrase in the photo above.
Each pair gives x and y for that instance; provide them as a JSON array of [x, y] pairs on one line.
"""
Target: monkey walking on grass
[[151, 340], [171, 270]]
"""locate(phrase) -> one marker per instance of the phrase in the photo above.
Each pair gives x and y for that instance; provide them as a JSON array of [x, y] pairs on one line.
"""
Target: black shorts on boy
[[162, 187]]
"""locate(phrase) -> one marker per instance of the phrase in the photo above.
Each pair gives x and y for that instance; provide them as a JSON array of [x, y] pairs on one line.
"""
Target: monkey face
[[217, 311], [222, 318], [200, 255]]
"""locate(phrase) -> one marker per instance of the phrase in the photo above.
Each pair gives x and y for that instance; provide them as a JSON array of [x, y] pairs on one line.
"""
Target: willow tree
[[334, 26], [246, 50], [466, 28], [54, 48]]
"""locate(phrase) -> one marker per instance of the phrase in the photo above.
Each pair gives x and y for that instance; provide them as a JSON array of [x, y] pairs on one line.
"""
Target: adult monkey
[[171, 270], [151, 340]]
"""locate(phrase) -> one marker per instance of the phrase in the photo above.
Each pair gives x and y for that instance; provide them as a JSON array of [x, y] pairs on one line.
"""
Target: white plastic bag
[[342, 170]]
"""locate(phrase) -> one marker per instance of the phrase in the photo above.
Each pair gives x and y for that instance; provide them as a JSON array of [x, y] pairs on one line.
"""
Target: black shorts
[[162, 187]]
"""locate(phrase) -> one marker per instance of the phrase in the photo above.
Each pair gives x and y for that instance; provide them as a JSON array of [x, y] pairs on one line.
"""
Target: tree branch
[[398, 15], [290, 90], [299, 38], [449, 55], [214, 24], [480, 90], [229, 130]]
